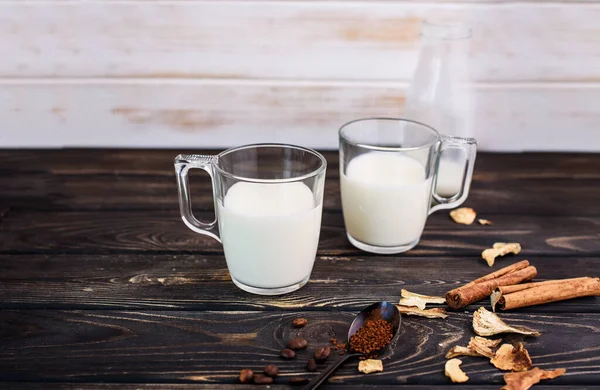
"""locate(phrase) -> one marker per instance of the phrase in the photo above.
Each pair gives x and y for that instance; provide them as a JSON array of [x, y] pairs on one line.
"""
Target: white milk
[[449, 177], [385, 198], [270, 233]]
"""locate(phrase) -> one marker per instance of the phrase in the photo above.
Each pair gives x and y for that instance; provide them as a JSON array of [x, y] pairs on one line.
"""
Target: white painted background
[[186, 73]]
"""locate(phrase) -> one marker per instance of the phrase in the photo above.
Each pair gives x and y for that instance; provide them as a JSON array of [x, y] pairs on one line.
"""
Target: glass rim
[[462, 30], [313, 173], [438, 136]]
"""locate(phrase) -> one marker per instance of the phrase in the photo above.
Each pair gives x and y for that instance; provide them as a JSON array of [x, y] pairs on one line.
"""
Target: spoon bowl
[[380, 310]]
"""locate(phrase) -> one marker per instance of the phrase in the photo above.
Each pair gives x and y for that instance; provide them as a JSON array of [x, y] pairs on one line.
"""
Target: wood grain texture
[[208, 113], [134, 231], [489, 167], [100, 281], [312, 40], [502, 195], [117, 346], [179, 73], [199, 282], [190, 114]]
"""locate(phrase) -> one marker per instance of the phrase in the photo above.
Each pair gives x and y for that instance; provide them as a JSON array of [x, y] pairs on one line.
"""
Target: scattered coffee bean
[[322, 353], [246, 375], [311, 365], [288, 354], [261, 379], [297, 343], [271, 370], [300, 322], [298, 381]]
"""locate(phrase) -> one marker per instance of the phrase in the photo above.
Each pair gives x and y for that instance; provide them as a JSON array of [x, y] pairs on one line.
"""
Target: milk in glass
[[449, 177], [385, 198], [270, 232]]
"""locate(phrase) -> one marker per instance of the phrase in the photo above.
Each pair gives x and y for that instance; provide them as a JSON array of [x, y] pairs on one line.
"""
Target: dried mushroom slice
[[369, 366], [459, 350], [478, 346], [437, 312], [453, 371], [495, 298], [483, 347], [486, 323], [551, 374], [525, 379], [510, 358], [500, 249], [418, 300], [490, 343], [463, 215]]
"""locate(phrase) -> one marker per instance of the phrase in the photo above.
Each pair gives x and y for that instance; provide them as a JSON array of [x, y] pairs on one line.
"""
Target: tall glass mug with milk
[[268, 204], [388, 174]]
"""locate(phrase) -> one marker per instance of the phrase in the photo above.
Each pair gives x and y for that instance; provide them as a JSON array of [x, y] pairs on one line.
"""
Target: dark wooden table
[[102, 285]]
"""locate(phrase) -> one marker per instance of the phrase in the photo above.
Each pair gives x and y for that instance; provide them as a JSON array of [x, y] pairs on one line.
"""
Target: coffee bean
[[299, 322], [297, 343], [271, 370], [298, 381], [246, 375], [288, 354], [261, 379], [322, 353], [311, 365]]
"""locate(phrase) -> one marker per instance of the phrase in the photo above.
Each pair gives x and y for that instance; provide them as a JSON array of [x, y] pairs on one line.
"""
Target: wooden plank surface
[[209, 113], [200, 282], [117, 192], [173, 73], [212, 347], [341, 40], [111, 180], [117, 290], [155, 231], [158, 162]]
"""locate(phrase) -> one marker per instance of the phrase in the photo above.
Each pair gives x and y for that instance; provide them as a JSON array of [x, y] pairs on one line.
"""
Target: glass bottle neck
[[443, 55], [447, 40]]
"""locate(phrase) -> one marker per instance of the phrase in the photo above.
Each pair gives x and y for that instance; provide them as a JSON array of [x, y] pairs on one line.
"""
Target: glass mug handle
[[183, 163], [469, 147]]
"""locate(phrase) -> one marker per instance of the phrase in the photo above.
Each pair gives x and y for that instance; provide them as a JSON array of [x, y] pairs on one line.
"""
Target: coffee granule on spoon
[[371, 337]]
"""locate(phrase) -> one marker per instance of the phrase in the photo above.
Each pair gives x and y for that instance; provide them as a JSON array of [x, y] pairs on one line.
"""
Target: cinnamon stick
[[524, 286], [483, 287], [501, 272], [550, 291]]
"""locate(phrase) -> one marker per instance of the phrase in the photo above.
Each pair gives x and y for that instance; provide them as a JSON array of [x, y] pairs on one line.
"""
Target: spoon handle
[[326, 373]]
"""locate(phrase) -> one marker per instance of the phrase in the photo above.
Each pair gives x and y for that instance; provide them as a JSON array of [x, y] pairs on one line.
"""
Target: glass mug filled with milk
[[268, 204], [389, 169]]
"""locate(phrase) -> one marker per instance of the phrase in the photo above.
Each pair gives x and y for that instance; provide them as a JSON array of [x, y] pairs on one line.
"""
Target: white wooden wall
[[186, 73]]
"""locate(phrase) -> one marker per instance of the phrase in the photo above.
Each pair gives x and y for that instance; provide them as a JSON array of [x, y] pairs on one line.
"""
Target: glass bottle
[[440, 95]]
